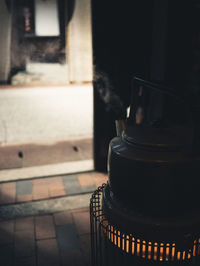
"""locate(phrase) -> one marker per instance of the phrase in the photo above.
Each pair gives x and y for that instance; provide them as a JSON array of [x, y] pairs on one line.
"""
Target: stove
[[148, 212]]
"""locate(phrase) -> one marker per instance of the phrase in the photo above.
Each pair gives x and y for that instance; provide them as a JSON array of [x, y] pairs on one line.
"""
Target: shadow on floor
[[58, 239]]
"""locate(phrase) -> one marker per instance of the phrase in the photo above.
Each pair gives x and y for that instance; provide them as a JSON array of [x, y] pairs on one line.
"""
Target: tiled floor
[[50, 240], [53, 239], [51, 187]]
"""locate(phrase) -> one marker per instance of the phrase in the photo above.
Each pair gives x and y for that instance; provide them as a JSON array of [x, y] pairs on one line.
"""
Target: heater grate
[[110, 244]]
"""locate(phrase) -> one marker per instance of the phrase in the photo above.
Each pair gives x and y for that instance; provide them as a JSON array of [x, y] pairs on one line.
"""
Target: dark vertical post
[[121, 48]]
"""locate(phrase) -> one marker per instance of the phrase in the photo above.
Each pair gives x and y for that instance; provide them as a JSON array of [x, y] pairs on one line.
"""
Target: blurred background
[[46, 94]]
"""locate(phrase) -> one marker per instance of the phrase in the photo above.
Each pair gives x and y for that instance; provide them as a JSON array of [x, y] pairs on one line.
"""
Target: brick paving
[[55, 239], [6, 232], [51, 187], [24, 224], [8, 193]]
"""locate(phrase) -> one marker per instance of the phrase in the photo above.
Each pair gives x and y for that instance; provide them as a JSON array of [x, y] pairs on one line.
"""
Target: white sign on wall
[[46, 18]]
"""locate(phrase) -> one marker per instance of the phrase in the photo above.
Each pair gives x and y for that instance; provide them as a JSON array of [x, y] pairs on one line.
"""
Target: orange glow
[[109, 232], [161, 251], [149, 250], [189, 256], [178, 255], [127, 244], [119, 239], [112, 234], [155, 251], [143, 248], [194, 248], [115, 237], [173, 251], [167, 252], [123, 242], [133, 245]]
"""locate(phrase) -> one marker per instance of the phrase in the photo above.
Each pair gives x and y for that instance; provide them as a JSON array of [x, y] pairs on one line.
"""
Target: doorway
[[47, 94]]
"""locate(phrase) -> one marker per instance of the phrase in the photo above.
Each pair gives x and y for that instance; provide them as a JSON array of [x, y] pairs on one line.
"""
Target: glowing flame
[[149, 250]]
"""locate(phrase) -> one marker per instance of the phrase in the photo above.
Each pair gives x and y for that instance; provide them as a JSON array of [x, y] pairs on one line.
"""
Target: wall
[[79, 43], [5, 40]]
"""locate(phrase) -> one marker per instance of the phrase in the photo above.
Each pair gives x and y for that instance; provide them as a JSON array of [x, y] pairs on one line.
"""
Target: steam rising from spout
[[112, 101]]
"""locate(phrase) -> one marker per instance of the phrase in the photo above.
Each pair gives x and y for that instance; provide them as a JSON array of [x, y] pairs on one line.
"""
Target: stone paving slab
[[6, 255], [22, 224], [52, 187], [25, 261], [48, 252], [71, 184], [24, 187], [8, 193], [24, 243], [6, 232], [44, 227], [67, 237]]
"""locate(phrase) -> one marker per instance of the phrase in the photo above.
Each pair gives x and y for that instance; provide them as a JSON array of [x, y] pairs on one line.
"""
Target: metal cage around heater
[[111, 246]]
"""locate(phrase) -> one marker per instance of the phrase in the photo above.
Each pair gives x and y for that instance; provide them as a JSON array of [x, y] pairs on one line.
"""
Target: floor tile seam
[[59, 250], [35, 241], [43, 239]]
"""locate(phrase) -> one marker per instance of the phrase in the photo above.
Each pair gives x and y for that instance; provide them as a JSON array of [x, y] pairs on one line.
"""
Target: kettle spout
[[120, 127]]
